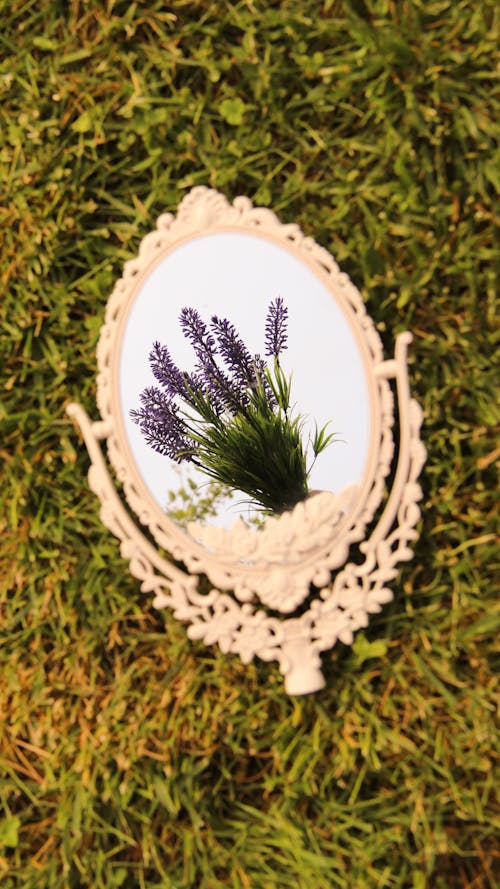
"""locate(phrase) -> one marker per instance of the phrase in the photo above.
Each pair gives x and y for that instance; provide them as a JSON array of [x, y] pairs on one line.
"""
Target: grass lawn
[[130, 756]]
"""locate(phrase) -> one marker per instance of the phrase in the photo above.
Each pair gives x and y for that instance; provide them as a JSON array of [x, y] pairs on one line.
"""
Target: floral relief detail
[[220, 626], [279, 584], [257, 636]]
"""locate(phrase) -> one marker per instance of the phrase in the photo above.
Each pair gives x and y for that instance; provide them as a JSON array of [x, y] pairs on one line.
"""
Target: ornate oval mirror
[[251, 326]]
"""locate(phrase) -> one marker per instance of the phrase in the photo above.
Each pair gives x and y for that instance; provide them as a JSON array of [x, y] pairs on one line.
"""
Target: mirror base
[[303, 676]]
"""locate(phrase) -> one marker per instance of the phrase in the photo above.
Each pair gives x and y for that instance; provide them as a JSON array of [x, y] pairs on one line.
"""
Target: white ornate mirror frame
[[261, 577]]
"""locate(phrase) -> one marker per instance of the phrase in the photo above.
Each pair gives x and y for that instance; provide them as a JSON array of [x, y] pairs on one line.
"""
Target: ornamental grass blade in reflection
[[231, 416]]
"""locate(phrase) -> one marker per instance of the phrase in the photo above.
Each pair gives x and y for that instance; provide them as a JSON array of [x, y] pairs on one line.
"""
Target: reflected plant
[[231, 416], [192, 502]]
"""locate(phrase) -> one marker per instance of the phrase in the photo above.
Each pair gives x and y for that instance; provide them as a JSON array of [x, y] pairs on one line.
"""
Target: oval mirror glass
[[236, 275]]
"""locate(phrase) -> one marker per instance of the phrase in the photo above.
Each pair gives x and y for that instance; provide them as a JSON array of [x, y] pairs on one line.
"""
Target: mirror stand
[[261, 577]]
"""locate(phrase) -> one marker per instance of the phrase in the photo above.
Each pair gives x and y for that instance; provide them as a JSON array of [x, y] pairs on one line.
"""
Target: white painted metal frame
[[276, 566]]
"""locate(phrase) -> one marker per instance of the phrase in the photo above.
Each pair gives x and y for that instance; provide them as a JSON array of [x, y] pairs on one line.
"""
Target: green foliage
[[233, 111], [192, 502], [131, 757], [259, 451], [9, 831], [363, 649]]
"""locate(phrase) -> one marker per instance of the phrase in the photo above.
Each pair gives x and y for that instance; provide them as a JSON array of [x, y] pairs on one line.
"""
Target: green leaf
[[9, 831], [75, 56], [83, 124], [45, 43], [321, 440], [233, 111], [419, 880], [119, 876], [363, 649]]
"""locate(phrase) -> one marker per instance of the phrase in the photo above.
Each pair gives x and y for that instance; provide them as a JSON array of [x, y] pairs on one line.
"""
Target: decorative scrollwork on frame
[[293, 557]]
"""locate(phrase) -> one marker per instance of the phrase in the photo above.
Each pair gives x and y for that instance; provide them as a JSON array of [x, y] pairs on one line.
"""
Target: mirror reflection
[[238, 276]]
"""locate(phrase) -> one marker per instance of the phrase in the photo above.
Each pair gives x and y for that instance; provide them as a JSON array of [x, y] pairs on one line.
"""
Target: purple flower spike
[[161, 426], [234, 352], [225, 393], [276, 327], [166, 372], [195, 330]]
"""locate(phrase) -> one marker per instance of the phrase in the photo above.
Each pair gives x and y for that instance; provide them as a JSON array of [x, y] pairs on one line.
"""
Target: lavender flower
[[225, 393], [162, 427], [234, 352], [235, 424], [248, 371], [276, 328], [165, 371], [196, 331]]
